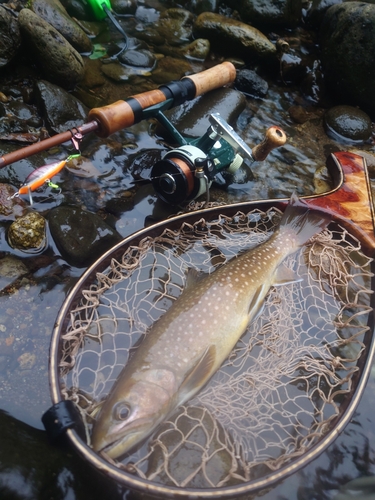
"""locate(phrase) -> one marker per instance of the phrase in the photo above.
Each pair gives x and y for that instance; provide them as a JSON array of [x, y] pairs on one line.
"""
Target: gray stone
[[80, 236], [250, 83], [348, 123], [317, 11], [176, 26], [55, 14], [10, 37], [348, 48], [230, 36], [270, 13], [60, 110], [28, 232], [59, 61]]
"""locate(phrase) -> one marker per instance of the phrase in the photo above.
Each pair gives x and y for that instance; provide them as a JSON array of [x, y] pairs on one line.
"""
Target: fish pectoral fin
[[284, 276], [199, 375], [256, 305]]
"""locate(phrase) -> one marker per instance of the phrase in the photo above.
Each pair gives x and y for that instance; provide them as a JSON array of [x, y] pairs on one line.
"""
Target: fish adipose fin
[[302, 221], [199, 375]]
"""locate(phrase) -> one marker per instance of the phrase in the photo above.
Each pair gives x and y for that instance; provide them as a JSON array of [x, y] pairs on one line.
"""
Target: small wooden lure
[[42, 175]]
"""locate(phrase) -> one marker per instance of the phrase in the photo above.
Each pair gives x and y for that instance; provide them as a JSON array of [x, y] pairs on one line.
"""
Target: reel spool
[[174, 176]]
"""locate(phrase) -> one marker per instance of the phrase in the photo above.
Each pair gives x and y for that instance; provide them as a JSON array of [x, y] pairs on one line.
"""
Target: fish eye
[[121, 411]]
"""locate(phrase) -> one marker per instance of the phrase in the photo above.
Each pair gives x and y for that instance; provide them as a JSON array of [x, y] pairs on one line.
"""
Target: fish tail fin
[[302, 221]]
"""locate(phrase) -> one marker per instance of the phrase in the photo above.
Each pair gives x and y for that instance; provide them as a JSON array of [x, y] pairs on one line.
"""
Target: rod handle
[[275, 137], [123, 114], [213, 78]]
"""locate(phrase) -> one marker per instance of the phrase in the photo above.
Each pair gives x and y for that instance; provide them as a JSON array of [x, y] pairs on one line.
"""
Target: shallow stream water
[[30, 305]]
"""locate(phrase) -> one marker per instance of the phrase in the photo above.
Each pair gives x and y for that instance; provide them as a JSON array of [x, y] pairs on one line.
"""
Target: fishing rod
[[187, 171], [121, 114]]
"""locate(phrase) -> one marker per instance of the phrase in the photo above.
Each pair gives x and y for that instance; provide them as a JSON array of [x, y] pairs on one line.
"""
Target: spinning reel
[[187, 172]]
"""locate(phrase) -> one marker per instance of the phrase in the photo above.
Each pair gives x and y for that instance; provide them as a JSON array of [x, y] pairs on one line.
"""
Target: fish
[[184, 348]]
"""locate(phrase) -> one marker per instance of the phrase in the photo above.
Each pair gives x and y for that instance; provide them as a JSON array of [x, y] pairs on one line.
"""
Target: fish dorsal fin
[[193, 277], [199, 375], [284, 276]]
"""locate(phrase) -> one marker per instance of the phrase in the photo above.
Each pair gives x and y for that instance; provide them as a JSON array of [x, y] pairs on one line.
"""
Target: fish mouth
[[119, 443], [120, 446]]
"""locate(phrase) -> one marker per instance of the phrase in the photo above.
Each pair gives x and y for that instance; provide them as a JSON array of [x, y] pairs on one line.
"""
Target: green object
[[99, 8], [52, 185]]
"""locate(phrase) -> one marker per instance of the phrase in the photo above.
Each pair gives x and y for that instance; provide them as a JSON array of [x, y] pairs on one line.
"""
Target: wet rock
[[119, 73], [93, 76], [9, 207], [11, 268], [26, 360], [248, 82], [348, 47], [58, 60], [19, 121], [138, 58], [199, 6], [299, 114], [348, 123], [124, 6], [80, 236], [59, 109], [146, 14], [10, 36], [275, 13], [191, 119], [197, 50], [176, 26], [292, 68], [31, 467], [28, 232], [79, 9], [170, 68], [230, 36], [317, 11], [55, 14]]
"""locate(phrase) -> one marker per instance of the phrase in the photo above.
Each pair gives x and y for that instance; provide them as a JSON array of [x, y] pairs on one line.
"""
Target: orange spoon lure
[[41, 176]]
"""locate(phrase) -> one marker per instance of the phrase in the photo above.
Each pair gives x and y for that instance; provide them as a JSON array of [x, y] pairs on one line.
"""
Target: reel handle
[[122, 114], [275, 137]]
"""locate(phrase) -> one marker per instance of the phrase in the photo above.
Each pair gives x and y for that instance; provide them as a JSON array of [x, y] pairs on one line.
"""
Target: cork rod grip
[[122, 114], [213, 78], [275, 137]]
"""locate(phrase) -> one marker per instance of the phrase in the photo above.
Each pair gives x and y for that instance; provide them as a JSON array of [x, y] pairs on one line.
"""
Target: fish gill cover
[[283, 386]]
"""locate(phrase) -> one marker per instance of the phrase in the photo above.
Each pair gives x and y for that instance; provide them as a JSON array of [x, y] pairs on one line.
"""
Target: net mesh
[[283, 386]]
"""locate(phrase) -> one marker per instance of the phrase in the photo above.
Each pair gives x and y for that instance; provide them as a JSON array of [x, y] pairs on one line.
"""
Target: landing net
[[285, 384]]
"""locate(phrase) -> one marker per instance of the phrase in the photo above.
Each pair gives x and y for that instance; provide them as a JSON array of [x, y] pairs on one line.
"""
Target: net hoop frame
[[146, 486]]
